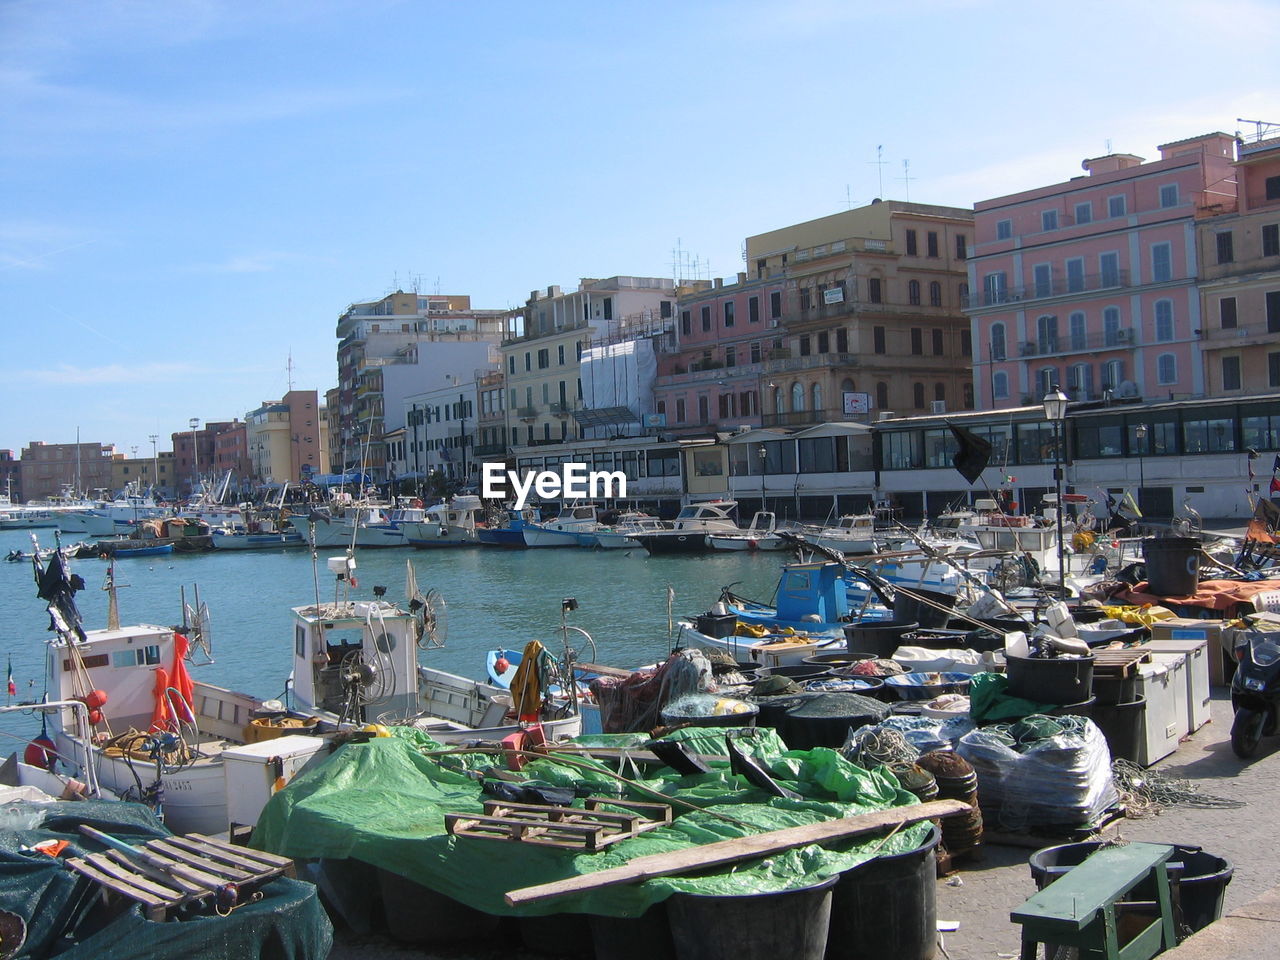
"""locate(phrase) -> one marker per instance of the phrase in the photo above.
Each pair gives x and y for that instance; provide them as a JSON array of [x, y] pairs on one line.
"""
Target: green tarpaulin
[[383, 802]]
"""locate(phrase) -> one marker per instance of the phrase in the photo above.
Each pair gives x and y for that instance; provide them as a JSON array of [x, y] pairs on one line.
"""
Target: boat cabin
[[809, 589], [713, 514]]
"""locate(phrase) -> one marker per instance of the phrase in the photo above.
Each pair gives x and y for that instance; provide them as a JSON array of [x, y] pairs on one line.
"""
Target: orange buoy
[[40, 752], [95, 699], [95, 717], [501, 665]]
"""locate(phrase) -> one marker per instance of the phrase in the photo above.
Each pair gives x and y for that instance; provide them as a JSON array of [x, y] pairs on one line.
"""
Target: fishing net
[[635, 703], [870, 747], [1147, 793]]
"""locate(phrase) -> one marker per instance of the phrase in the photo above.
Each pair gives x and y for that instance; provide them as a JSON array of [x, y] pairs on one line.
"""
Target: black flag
[[974, 453]]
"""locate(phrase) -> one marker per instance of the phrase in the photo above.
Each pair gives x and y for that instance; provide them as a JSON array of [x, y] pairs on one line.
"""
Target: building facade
[[1091, 284], [285, 439], [1239, 247], [47, 469]]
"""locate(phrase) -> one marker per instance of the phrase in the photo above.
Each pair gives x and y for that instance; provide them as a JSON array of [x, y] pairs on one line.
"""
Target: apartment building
[[285, 439], [871, 314], [1091, 284], [46, 469], [1239, 246]]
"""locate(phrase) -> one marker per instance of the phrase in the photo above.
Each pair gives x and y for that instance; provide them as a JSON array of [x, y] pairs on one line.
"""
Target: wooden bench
[[1082, 907]]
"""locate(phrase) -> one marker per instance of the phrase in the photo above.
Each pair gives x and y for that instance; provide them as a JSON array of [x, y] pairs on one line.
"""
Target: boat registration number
[[177, 784]]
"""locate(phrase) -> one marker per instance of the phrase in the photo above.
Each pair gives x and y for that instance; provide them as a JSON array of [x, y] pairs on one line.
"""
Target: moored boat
[[452, 524], [688, 531], [574, 526]]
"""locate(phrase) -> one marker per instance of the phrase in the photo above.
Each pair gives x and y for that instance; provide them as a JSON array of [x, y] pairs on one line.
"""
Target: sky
[[192, 191]]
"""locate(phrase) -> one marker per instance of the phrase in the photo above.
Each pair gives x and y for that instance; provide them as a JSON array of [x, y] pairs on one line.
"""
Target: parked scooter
[[1255, 690]]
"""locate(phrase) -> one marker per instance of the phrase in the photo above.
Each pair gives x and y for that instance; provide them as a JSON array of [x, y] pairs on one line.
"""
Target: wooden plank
[[187, 874], [1072, 901], [601, 670], [124, 881], [271, 859], [199, 862], [256, 868], [741, 848]]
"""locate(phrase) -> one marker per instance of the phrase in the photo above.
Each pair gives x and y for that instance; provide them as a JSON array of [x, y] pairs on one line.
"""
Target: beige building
[[286, 438], [545, 340], [870, 313], [1239, 252], [48, 469], [154, 472]]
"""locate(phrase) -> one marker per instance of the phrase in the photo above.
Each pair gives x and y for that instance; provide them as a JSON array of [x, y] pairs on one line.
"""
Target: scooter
[[1255, 690]]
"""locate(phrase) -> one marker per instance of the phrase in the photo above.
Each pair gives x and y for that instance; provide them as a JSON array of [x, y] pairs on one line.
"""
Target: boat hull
[[505, 537], [429, 534], [768, 541], [675, 542], [256, 541], [535, 536]]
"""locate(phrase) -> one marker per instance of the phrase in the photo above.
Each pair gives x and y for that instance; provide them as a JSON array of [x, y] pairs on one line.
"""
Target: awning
[[605, 416]]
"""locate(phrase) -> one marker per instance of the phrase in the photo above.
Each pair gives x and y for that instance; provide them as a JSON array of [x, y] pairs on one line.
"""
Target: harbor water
[[495, 598]]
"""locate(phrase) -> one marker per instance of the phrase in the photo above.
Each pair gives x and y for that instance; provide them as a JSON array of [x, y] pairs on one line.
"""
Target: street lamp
[[195, 454], [764, 455], [155, 461], [1140, 434], [1055, 411]]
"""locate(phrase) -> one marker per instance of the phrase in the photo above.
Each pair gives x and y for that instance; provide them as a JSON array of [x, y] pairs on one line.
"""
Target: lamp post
[[155, 461], [1055, 411], [195, 454], [1140, 435], [764, 455]]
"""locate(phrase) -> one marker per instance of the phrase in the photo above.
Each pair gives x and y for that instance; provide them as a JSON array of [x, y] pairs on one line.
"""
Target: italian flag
[[13, 687]]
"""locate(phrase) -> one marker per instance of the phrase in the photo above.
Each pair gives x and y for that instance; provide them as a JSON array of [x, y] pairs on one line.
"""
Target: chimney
[[719, 282], [553, 291], [742, 276], [1110, 163]]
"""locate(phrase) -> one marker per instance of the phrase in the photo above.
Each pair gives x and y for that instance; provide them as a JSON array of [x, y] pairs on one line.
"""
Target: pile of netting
[[633, 704], [1146, 793]]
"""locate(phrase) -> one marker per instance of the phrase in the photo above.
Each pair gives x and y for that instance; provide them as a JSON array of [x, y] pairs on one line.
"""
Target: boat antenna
[[113, 601]]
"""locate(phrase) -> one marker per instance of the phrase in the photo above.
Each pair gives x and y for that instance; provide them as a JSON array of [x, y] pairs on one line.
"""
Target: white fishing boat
[[760, 535], [621, 535], [452, 524], [574, 526], [362, 525], [851, 534], [247, 539], [688, 532]]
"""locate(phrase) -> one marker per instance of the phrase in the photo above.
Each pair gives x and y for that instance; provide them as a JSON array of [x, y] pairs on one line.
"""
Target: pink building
[[711, 376], [1091, 285]]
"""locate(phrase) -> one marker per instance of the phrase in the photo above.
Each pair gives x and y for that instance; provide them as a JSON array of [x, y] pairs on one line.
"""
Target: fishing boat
[[123, 549], [621, 535], [851, 534], [362, 525], [688, 531], [574, 526], [507, 528], [761, 534], [246, 539], [452, 524]]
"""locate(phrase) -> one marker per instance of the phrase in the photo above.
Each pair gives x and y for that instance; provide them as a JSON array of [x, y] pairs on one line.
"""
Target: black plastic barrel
[[1202, 880], [841, 659], [421, 915], [887, 907], [799, 672], [825, 720], [1121, 724], [1050, 679], [558, 935], [646, 937], [1112, 689], [1082, 709], [922, 606], [759, 926], [882, 639], [1173, 565], [743, 718]]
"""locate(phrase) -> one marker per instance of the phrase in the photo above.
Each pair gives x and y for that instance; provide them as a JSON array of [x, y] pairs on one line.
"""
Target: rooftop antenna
[[879, 161], [848, 197], [1108, 143], [437, 289], [1261, 128], [289, 370], [906, 179]]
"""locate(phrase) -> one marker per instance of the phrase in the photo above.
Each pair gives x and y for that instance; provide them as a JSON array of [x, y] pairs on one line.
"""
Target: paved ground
[[984, 894]]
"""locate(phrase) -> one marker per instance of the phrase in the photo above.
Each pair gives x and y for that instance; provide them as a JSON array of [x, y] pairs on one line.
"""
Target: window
[[1164, 320], [842, 340], [730, 357], [1227, 313], [1049, 220], [1273, 188], [913, 293], [1166, 368], [797, 398], [753, 310], [917, 341], [1273, 311], [1078, 331], [1047, 333], [1111, 326], [706, 319], [511, 363], [824, 341], [877, 339], [806, 299], [779, 400], [962, 246], [1115, 206], [1230, 373], [1161, 263], [560, 354], [815, 398], [1080, 380], [1042, 274], [728, 313], [931, 243], [544, 358], [1109, 269], [911, 243], [1271, 240], [937, 342], [1169, 195], [608, 308], [966, 342], [1084, 212], [1075, 275], [1273, 369], [935, 293], [680, 411], [1226, 246], [725, 404], [917, 395], [1046, 380], [873, 290], [998, 342], [1000, 386], [686, 326], [804, 346], [775, 304], [755, 351], [1004, 229], [994, 288], [528, 362], [664, 309]]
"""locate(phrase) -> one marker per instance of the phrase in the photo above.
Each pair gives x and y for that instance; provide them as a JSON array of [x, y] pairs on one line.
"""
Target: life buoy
[[41, 753]]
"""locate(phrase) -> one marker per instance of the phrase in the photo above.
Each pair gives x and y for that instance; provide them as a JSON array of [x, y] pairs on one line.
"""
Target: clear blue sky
[[193, 190]]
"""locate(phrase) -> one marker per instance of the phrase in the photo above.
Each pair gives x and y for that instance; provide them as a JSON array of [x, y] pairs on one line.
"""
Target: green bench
[[1085, 907]]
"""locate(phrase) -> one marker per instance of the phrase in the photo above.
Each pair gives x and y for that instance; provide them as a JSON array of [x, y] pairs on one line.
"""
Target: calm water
[[494, 597]]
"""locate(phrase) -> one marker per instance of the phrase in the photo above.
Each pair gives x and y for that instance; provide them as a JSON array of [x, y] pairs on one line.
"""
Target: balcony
[[565, 409], [489, 450], [1120, 339], [790, 364], [801, 418], [527, 414], [1057, 287]]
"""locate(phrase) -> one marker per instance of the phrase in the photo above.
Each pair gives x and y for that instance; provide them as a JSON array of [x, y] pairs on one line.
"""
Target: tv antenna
[[880, 161], [1261, 128], [848, 197], [906, 179], [289, 371]]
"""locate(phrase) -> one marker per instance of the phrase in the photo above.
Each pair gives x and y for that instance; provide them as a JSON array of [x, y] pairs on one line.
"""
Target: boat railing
[[81, 738]]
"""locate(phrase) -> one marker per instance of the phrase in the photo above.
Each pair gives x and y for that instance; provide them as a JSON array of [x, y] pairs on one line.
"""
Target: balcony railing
[[800, 418], [1057, 287], [1054, 346], [490, 450]]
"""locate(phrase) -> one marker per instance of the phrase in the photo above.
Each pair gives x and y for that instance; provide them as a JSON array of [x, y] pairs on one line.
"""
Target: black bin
[[1173, 565], [718, 625]]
